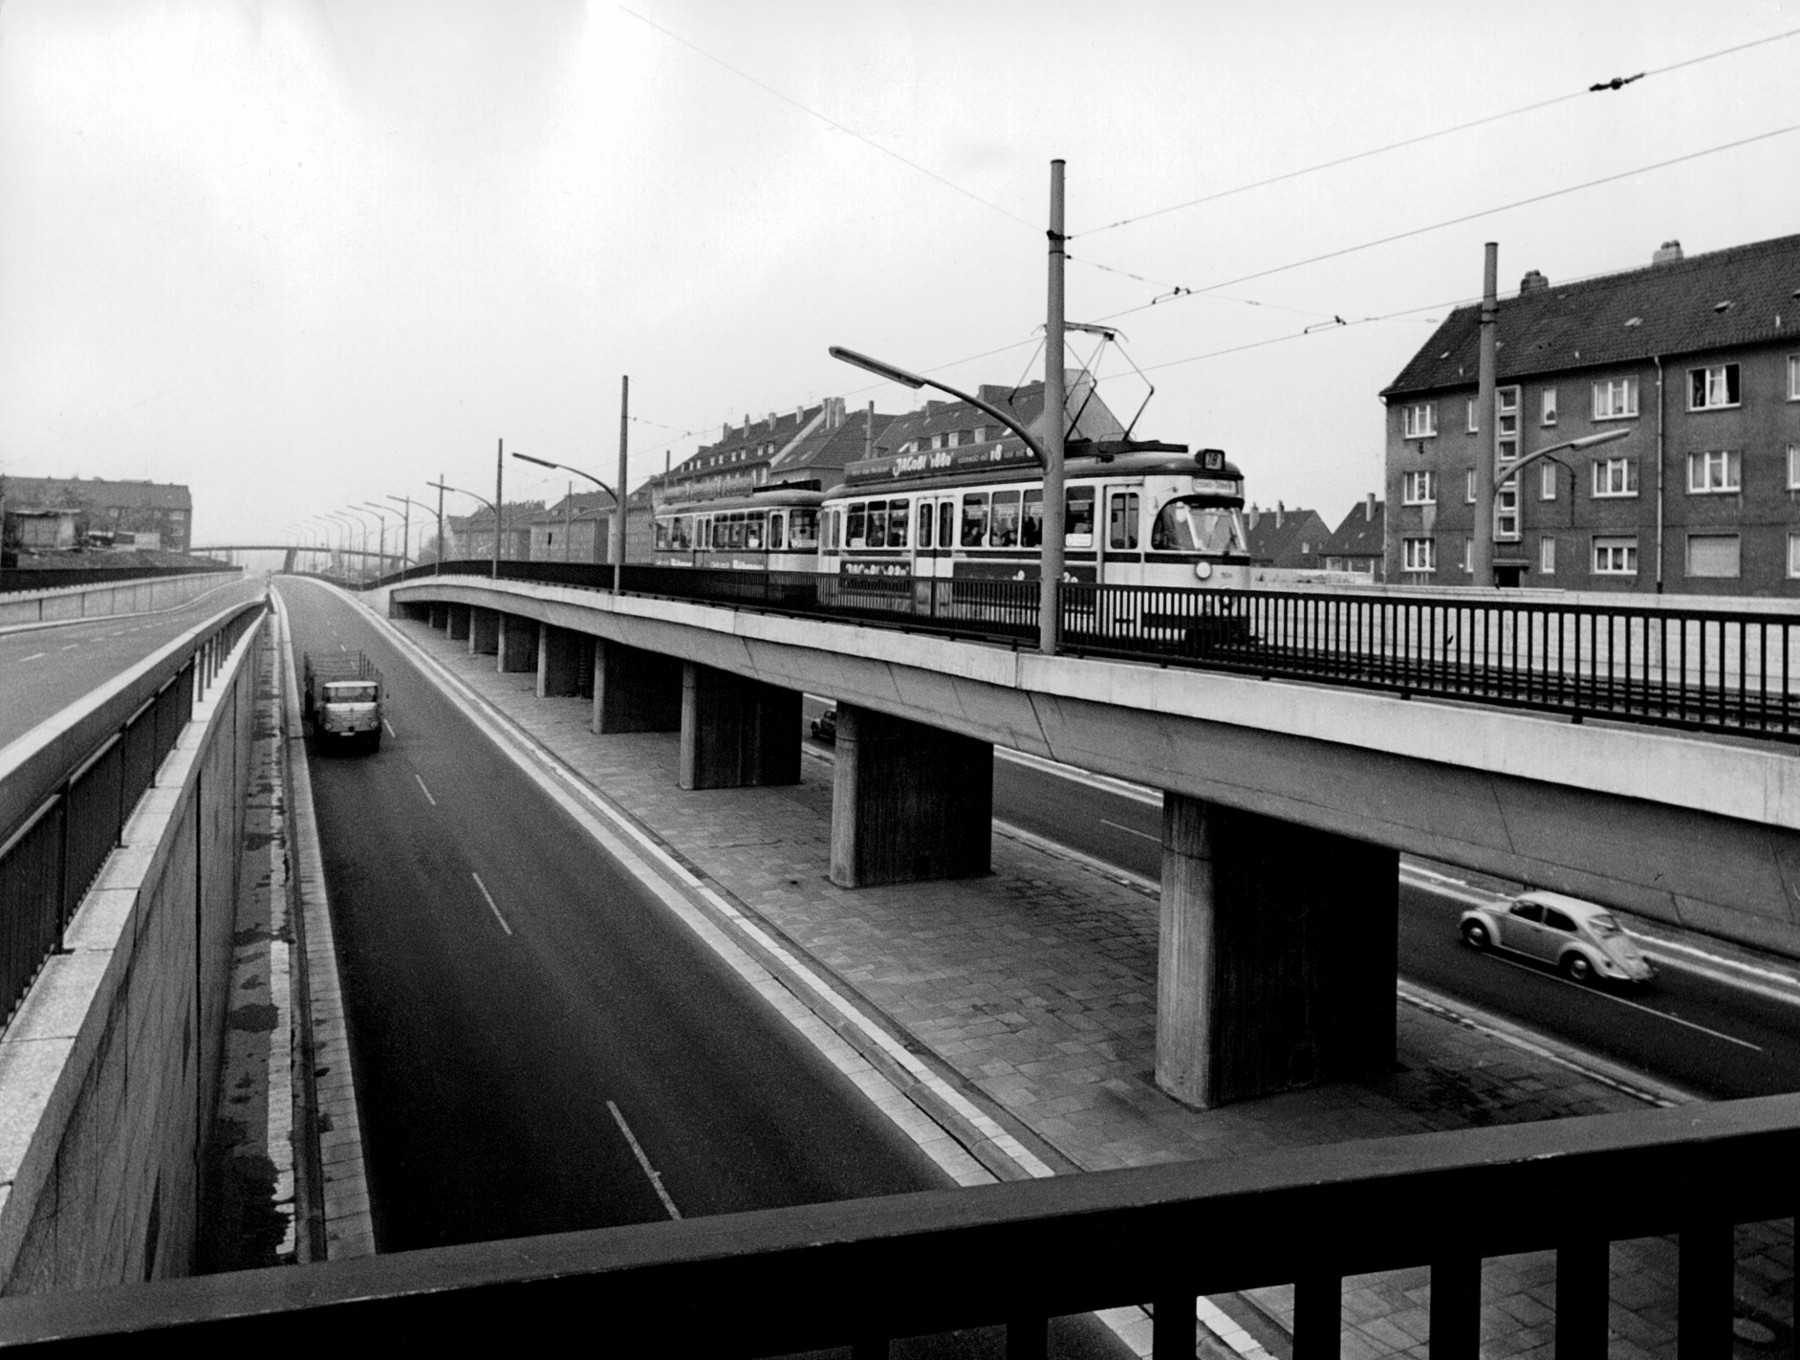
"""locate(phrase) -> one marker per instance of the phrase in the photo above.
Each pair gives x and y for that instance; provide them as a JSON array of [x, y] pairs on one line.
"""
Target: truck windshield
[[1182, 526], [350, 694]]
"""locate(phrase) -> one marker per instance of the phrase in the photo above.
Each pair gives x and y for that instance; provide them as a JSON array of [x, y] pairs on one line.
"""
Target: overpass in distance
[[1286, 806]]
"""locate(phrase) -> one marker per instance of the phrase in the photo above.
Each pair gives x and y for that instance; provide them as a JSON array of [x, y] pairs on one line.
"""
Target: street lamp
[[494, 570], [381, 542], [1509, 473], [362, 565], [407, 503], [345, 527], [1050, 569], [618, 505]]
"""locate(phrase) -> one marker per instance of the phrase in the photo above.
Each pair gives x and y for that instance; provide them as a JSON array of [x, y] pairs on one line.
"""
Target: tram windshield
[[1184, 526]]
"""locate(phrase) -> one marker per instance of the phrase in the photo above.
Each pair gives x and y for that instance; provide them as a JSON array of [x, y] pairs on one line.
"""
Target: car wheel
[[1475, 935], [1577, 967]]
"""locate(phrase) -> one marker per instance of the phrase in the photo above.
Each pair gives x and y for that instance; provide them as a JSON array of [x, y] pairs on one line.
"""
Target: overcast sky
[[302, 254]]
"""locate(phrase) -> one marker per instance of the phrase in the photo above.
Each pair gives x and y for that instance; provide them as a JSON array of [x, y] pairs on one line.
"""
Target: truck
[[342, 699]]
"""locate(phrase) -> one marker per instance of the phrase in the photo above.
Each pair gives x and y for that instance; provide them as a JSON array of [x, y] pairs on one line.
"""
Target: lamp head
[[875, 366]]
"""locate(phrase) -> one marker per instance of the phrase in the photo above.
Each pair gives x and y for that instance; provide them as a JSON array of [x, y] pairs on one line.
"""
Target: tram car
[[1138, 515], [773, 528]]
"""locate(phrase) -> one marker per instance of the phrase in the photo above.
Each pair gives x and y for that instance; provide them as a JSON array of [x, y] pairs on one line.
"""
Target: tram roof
[[1011, 460]]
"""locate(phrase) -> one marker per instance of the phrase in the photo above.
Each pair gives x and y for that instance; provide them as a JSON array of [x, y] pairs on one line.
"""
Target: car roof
[[1575, 906]]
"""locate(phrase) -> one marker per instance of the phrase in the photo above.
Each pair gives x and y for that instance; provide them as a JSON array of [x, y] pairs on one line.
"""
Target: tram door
[[1121, 553], [934, 534]]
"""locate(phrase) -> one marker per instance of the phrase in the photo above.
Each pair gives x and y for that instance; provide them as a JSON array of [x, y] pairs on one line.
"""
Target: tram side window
[[777, 531], [683, 534], [734, 530], [897, 513], [974, 520], [856, 521], [803, 528], [946, 523], [1005, 533], [1122, 522], [1078, 522], [1031, 528], [756, 530], [831, 530], [662, 535], [924, 524], [878, 518]]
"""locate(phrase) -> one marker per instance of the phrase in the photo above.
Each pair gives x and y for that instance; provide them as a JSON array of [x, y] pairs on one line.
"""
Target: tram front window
[[1182, 526]]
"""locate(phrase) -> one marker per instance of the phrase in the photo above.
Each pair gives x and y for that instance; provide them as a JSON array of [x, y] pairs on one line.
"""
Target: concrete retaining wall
[[103, 601], [107, 1073]]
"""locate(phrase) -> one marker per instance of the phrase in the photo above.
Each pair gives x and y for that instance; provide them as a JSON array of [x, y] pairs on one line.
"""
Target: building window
[[1615, 556], [1794, 555], [1469, 487], [1469, 415], [1710, 472], [1712, 387], [1547, 555], [1506, 512], [1794, 467], [1712, 555], [1794, 377], [1615, 477], [1506, 423], [1418, 488], [1419, 421], [1546, 481], [1468, 557], [1420, 554], [1615, 398], [1547, 407]]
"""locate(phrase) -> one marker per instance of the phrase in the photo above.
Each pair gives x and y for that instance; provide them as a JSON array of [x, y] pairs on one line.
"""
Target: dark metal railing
[[14, 579], [1017, 1254], [1724, 670], [64, 807]]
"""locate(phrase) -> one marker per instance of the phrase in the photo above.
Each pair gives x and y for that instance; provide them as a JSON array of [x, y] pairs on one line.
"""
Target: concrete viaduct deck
[[1285, 805]]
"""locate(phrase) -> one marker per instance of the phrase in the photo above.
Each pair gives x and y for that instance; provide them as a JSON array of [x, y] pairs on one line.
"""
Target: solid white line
[[390, 727], [69, 647], [1131, 831], [490, 901], [1635, 1005], [35, 656], [637, 1150], [428, 797]]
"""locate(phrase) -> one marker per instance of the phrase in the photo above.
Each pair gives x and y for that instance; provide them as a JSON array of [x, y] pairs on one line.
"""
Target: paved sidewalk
[[1034, 989]]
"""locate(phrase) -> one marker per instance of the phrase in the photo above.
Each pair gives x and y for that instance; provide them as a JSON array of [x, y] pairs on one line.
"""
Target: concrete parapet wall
[[139, 596], [106, 1072]]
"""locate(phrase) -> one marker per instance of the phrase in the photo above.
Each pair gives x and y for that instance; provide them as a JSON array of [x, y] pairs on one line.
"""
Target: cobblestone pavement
[[1036, 987]]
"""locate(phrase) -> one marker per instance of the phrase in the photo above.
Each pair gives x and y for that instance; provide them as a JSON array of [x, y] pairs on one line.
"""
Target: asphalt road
[[44, 669], [1702, 1035], [533, 1037]]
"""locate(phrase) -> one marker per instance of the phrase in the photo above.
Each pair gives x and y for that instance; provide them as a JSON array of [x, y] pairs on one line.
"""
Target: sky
[[301, 255]]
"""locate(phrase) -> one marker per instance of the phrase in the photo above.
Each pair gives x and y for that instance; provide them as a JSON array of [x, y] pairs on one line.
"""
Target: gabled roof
[[1360, 534], [1024, 404], [1663, 309], [824, 451], [1272, 542], [96, 491]]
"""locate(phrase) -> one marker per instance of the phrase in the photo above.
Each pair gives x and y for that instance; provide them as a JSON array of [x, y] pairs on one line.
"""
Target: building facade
[[139, 514], [1358, 546], [1695, 360]]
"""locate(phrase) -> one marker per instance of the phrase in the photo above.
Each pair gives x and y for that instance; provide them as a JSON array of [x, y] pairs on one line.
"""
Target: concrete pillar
[[518, 644], [908, 802], [1277, 960], [484, 631], [736, 733], [558, 660], [457, 622], [635, 690], [439, 614]]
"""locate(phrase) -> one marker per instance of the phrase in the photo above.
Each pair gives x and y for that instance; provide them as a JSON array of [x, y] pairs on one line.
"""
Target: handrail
[[1018, 1253]]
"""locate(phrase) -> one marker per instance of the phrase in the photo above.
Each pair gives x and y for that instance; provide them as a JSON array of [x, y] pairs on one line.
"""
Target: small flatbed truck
[[342, 699]]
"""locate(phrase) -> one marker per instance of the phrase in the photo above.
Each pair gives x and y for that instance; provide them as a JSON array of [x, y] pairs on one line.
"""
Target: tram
[[773, 528]]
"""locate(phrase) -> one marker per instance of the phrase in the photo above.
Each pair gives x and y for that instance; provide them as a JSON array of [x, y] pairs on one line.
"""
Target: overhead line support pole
[[1051, 570]]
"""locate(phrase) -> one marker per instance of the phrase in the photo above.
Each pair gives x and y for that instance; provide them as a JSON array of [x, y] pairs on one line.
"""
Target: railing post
[[1456, 1307], [1703, 1291], [1582, 1298]]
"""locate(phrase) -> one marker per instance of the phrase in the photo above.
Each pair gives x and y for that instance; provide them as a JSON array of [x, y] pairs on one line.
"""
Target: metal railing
[[1722, 670], [1017, 1254], [64, 801]]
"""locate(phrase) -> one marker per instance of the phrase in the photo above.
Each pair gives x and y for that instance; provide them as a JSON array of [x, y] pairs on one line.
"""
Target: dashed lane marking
[[1131, 831], [490, 900], [428, 797], [637, 1150]]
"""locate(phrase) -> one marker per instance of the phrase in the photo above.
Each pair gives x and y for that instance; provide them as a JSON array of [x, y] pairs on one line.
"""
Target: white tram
[[774, 528], [1146, 515]]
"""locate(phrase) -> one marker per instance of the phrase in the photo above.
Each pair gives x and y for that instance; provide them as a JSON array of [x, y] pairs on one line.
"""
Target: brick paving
[[1035, 987]]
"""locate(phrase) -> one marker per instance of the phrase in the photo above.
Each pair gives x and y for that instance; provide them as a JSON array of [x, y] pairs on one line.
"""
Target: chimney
[[1369, 508], [1533, 282], [1667, 253], [772, 418], [1280, 509], [1255, 515], [799, 415]]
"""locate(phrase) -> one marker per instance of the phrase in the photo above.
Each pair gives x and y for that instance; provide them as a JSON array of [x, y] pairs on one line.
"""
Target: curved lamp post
[[362, 565], [382, 512], [493, 570], [618, 504], [407, 503]]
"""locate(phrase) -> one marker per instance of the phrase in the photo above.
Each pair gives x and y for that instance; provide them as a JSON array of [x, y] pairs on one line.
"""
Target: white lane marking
[[390, 727], [69, 647], [637, 1150], [490, 900], [1622, 1001], [35, 656], [430, 799], [1131, 831]]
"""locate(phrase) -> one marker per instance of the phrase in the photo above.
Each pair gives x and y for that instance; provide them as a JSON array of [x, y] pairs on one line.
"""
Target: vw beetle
[[1582, 940]]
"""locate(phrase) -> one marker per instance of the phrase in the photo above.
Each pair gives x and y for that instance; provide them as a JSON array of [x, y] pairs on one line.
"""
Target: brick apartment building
[[1697, 359], [127, 513]]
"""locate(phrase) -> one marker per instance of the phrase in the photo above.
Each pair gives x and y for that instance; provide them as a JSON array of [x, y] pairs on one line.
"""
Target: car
[[1582, 940], [824, 727]]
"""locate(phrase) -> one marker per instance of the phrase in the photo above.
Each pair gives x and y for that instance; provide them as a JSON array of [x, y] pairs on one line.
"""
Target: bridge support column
[[456, 621], [437, 615], [736, 733], [908, 802], [1277, 959], [558, 660], [484, 631], [518, 643], [635, 690]]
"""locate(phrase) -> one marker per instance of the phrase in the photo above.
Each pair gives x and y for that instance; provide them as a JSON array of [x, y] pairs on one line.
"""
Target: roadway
[[45, 667], [538, 1046]]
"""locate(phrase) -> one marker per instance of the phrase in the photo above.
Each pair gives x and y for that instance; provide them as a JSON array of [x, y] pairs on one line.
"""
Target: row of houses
[[56, 514]]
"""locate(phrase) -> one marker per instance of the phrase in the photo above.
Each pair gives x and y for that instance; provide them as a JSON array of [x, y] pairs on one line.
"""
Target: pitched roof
[[1662, 309], [96, 491], [1025, 405], [825, 449], [1360, 534], [1272, 542]]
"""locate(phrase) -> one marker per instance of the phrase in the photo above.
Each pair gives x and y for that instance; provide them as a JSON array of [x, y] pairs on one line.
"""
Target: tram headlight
[[1203, 570]]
